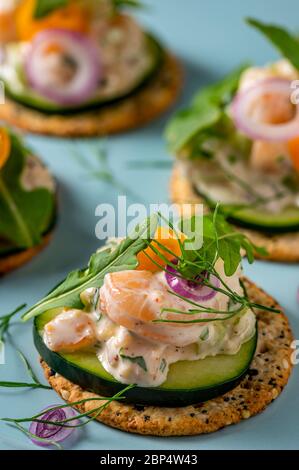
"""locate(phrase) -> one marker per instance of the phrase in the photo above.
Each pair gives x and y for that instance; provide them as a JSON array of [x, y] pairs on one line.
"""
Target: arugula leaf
[[220, 93], [127, 3], [25, 215], [205, 112], [119, 258], [135, 359], [220, 240], [283, 40], [187, 123], [44, 7], [163, 365], [204, 334]]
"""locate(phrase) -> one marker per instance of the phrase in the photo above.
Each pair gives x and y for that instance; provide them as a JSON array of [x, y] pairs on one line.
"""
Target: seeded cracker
[[280, 247], [140, 108], [266, 378]]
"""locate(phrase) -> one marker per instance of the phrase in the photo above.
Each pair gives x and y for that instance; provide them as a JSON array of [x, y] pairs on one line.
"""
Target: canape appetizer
[[82, 67], [202, 346], [238, 144], [27, 203]]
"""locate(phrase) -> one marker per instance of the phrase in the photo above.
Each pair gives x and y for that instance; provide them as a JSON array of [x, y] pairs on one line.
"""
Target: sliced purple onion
[[193, 290], [52, 432], [242, 103], [82, 54]]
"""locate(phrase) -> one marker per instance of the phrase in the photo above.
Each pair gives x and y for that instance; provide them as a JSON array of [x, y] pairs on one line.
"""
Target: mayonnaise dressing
[[211, 180], [70, 331], [267, 170], [133, 356], [132, 359], [123, 51], [36, 175]]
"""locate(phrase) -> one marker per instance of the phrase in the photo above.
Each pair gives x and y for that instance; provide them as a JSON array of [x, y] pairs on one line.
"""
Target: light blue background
[[210, 37]]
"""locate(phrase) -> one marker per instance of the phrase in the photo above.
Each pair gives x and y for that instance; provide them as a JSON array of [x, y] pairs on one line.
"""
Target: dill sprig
[[64, 423], [191, 264], [5, 322], [35, 382], [99, 167], [91, 415]]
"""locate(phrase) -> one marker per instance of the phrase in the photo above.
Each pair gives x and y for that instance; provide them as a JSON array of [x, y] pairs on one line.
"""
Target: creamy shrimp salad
[[258, 172], [119, 323], [123, 50]]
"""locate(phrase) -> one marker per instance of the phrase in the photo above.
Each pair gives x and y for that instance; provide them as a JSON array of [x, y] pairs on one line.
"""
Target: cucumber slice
[[35, 101], [188, 382], [286, 221]]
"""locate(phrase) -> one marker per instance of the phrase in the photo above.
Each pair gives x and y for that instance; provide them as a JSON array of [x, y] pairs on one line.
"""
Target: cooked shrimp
[[271, 109], [280, 69], [134, 299], [70, 331]]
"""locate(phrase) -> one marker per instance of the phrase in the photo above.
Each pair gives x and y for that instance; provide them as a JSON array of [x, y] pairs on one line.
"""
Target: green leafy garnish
[[220, 241], [99, 167], [91, 415], [33, 436], [205, 112], [290, 182], [188, 123], [4, 327], [139, 360], [94, 413], [204, 334], [7, 384], [44, 7], [220, 93], [35, 382], [127, 3], [25, 215], [120, 258], [286, 42], [5, 321], [163, 365]]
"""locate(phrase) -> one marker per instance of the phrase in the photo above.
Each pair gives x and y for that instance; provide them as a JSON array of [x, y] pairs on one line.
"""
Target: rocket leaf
[[135, 359], [25, 215], [44, 7], [113, 259], [283, 40], [205, 112]]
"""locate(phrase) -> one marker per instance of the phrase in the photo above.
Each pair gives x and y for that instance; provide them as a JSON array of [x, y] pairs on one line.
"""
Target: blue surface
[[210, 38]]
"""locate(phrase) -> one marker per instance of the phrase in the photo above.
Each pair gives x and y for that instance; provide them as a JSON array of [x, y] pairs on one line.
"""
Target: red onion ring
[[191, 290], [85, 54], [259, 130], [51, 431]]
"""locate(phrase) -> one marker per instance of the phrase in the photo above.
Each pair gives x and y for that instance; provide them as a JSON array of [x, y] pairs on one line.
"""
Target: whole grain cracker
[[265, 380], [138, 109], [282, 247]]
